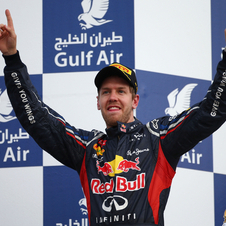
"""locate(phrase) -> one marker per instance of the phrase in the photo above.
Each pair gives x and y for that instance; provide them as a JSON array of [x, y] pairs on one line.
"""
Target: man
[[126, 173]]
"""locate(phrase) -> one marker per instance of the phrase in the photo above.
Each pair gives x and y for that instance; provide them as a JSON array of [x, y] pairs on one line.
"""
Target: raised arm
[[49, 129], [181, 133]]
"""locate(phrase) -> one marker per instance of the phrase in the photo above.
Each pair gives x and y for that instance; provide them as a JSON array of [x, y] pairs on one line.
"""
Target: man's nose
[[113, 96]]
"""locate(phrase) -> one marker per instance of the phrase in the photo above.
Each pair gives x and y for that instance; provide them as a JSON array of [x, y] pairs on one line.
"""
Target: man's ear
[[98, 104], [136, 101]]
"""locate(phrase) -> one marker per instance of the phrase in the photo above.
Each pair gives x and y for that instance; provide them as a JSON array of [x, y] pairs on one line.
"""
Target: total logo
[[98, 147], [117, 166]]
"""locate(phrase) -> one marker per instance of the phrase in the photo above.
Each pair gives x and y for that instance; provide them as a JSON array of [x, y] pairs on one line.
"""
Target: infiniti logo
[[119, 202]]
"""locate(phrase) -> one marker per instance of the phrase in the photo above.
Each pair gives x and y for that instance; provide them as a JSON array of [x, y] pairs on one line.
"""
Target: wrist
[[13, 61], [10, 52]]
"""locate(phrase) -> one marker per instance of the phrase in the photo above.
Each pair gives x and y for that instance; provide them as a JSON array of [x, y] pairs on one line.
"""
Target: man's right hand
[[8, 36]]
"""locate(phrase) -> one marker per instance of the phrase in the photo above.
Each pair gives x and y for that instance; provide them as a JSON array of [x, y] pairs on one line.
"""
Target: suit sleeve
[[181, 133], [51, 132]]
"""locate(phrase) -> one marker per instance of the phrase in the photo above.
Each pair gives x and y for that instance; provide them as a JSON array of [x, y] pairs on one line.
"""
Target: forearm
[[200, 121], [46, 126]]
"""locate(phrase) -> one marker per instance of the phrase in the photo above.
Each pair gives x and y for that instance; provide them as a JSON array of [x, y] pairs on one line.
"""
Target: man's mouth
[[112, 108]]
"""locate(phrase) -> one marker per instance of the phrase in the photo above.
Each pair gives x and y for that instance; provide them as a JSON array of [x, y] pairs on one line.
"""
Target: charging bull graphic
[[126, 165], [106, 169], [117, 167]]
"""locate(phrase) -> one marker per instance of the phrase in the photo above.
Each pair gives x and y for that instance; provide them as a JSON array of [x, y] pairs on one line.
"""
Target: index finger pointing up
[[9, 19]]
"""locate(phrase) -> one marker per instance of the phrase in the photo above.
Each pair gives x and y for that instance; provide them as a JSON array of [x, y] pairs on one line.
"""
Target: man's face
[[115, 101]]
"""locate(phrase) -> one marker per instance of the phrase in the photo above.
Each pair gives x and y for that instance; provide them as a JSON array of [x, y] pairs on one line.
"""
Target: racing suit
[[126, 173]]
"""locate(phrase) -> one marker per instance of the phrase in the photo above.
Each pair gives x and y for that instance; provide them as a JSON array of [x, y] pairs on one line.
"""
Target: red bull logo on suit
[[120, 185], [117, 166]]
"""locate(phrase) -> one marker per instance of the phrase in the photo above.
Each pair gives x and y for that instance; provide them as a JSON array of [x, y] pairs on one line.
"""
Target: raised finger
[[9, 19]]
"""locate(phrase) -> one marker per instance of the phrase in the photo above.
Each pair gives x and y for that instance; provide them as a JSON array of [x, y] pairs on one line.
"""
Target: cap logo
[[122, 68]]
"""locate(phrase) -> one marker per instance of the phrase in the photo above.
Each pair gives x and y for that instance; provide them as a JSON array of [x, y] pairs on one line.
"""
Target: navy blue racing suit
[[126, 172]]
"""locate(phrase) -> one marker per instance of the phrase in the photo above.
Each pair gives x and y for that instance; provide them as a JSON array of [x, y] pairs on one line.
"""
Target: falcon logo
[[5, 108], [179, 101], [93, 13], [82, 202]]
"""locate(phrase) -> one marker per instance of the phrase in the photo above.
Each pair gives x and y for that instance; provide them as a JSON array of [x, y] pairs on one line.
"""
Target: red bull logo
[[126, 165], [121, 184], [123, 128], [117, 166], [106, 169]]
